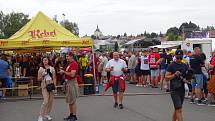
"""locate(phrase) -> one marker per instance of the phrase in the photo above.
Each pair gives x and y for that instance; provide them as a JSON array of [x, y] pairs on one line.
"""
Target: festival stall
[[42, 34]]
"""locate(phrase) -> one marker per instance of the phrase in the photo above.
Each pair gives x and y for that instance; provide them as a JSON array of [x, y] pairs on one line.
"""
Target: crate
[[23, 92]]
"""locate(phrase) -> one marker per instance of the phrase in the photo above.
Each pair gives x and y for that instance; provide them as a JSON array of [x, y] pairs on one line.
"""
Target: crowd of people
[[147, 68], [182, 73]]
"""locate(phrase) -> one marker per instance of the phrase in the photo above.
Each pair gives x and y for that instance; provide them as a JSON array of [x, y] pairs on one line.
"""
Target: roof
[[132, 42], [165, 46]]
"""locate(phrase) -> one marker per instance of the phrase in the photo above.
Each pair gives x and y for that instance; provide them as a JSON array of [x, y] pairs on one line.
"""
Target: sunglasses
[[179, 57]]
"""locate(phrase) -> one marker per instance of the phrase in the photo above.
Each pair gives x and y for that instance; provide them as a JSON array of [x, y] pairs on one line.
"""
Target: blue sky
[[118, 16]]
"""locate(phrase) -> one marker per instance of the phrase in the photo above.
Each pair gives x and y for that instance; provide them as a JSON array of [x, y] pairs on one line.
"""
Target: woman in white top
[[46, 75], [144, 67]]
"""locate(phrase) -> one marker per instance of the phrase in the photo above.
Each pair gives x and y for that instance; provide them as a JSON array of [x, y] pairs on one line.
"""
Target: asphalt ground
[[100, 108]]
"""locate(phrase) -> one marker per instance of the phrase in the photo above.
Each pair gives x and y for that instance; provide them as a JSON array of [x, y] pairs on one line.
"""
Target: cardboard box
[[23, 92]]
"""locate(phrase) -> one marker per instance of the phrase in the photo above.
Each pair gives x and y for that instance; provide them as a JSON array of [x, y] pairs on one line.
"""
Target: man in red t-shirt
[[154, 58], [72, 91]]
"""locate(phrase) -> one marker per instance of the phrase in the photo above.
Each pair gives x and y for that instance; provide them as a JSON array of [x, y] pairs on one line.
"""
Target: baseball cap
[[179, 52]]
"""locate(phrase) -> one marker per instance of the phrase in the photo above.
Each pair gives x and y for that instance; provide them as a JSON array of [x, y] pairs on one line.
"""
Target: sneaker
[[67, 118], [212, 104], [48, 117], [137, 85], [70, 118], [205, 101], [40, 118], [200, 103], [3, 98], [121, 106], [192, 101], [115, 105]]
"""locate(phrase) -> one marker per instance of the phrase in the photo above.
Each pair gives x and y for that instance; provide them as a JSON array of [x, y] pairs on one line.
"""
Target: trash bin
[[89, 89]]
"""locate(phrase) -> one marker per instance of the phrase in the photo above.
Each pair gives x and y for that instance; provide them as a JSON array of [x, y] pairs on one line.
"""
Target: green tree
[[187, 28], [93, 36], [172, 37], [118, 36], [11, 23], [160, 35], [145, 33], [72, 27], [125, 34], [116, 46], [153, 35], [173, 30]]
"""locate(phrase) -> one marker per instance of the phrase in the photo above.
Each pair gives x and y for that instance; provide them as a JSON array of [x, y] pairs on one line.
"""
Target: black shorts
[[116, 87], [3, 82], [190, 87], [138, 72], [178, 99], [145, 72]]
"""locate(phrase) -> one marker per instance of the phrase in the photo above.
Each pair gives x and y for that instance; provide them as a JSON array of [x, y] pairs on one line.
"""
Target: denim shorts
[[155, 72], [199, 81], [163, 72]]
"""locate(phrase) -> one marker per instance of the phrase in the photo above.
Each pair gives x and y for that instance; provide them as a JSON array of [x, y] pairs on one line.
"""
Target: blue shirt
[[4, 69]]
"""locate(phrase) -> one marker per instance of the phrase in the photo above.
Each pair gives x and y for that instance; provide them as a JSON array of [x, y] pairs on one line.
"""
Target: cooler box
[[88, 79], [23, 92]]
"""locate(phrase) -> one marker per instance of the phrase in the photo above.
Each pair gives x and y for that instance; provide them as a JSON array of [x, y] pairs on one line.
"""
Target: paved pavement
[[100, 108]]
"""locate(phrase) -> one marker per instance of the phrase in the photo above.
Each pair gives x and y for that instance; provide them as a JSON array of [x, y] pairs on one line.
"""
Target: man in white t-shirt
[[116, 67], [144, 67]]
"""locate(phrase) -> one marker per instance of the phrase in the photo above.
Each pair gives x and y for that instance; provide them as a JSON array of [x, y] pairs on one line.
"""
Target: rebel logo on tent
[[85, 42], [42, 34], [25, 42], [3, 43]]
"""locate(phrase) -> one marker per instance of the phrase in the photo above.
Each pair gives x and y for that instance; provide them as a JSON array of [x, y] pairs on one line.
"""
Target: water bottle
[[18, 72], [97, 89]]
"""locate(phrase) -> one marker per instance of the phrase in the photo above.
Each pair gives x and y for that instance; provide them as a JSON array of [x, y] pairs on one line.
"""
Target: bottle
[[16, 72], [97, 89]]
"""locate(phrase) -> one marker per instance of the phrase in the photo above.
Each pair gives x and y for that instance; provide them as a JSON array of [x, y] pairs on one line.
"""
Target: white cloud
[[119, 16]]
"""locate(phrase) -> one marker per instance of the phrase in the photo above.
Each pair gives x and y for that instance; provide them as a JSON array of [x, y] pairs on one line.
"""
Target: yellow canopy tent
[[43, 32]]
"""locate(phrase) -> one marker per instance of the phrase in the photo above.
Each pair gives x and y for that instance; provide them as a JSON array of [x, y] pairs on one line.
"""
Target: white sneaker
[[40, 118], [48, 117]]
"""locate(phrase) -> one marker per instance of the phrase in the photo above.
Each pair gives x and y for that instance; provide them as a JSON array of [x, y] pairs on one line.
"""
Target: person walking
[[47, 76], [174, 74], [72, 90], [4, 74], [116, 67]]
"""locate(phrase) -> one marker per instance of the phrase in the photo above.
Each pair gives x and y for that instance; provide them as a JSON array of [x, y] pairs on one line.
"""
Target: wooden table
[[22, 80]]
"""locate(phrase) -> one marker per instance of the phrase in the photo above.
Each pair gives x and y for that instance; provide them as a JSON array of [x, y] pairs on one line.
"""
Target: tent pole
[[94, 67]]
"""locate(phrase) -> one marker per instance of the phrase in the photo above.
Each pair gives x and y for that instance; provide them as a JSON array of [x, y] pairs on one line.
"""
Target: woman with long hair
[[47, 76]]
